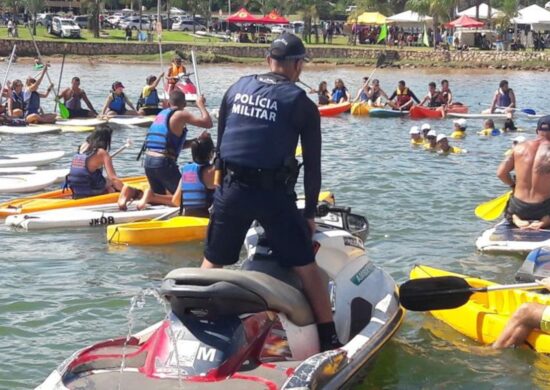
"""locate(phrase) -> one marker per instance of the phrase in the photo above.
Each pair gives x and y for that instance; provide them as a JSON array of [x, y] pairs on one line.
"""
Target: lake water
[[63, 290]]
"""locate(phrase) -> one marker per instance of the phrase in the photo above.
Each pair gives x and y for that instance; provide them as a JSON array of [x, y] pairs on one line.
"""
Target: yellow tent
[[371, 18]]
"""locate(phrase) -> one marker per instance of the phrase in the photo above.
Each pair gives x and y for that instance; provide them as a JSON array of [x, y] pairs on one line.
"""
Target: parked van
[[64, 28]]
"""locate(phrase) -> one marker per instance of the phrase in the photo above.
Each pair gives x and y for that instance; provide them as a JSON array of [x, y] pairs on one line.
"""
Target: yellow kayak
[[177, 229], [485, 315], [360, 109], [59, 199]]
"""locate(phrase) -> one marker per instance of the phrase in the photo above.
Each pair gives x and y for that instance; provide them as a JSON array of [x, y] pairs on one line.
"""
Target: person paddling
[[446, 96], [72, 98], [375, 94], [433, 98], [116, 102], [529, 205], [340, 93], [33, 111], [85, 177], [504, 99], [16, 100], [149, 100], [363, 92], [323, 94], [404, 97]]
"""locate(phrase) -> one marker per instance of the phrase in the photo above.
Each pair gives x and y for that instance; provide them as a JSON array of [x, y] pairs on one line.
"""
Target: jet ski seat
[[211, 293]]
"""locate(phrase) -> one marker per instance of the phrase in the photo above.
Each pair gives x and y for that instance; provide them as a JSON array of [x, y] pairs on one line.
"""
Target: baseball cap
[[461, 122], [414, 130], [431, 133], [519, 139], [287, 47], [426, 126], [440, 137], [117, 84], [544, 123]]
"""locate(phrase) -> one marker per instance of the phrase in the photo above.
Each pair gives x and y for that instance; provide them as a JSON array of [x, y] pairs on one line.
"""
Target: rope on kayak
[[110, 239]]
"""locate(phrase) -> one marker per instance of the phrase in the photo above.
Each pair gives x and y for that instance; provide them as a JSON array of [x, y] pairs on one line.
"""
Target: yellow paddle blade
[[299, 151], [494, 208]]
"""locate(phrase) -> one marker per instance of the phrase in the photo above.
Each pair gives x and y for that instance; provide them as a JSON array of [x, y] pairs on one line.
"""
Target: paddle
[[492, 209], [528, 111], [379, 62], [64, 113], [128, 143], [446, 292], [7, 72], [196, 72]]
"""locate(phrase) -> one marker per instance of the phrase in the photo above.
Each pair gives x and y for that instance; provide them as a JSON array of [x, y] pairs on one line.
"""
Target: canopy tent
[[243, 16], [483, 12], [465, 22], [410, 19], [273, 18], [371, 18], [534, 15]]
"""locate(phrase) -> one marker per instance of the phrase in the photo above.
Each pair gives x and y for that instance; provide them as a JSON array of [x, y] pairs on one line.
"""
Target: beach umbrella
[[465, 22]]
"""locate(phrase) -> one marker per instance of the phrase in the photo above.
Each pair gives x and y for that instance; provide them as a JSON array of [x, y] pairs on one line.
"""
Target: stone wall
[[26, 48]]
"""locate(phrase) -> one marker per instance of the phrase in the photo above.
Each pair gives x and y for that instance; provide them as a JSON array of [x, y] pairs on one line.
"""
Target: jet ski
[[185, 85], [536, 266], [252, 328]]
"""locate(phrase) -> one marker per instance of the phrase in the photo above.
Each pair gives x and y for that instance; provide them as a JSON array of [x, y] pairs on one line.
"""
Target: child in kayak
[[116, 102]]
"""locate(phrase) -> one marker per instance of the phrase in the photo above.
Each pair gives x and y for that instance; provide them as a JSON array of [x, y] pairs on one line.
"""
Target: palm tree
[[437, 9]]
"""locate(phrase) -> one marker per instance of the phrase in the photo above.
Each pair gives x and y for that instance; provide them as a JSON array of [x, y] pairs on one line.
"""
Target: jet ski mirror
[[355, 224]]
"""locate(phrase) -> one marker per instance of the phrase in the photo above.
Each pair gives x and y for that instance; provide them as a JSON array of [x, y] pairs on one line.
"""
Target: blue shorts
[[162, 174], [237, 205]]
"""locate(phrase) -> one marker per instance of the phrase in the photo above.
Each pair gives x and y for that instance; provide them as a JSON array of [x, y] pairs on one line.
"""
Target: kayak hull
[[385, 113], [30, 129], [14, 184], [174, 230], [485, 315], [360, 109], [132, 121], [505, 238], [334, 109]]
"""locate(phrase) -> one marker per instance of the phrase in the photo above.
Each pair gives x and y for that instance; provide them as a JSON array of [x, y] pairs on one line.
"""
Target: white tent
[[410, 19], [483, 12], [536, 16]]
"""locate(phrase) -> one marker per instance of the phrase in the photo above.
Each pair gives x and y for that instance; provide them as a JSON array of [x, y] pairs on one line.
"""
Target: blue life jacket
[[338, 94], [194, 194], [258, 123], [118, 104], [17, 100], [160, 139], [32, 103], [81, 181], [363, 96], [151, 100], [504, 99]]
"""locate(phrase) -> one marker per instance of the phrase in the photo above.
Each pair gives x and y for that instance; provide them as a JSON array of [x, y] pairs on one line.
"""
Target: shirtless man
[[72, 98], [529, 206]]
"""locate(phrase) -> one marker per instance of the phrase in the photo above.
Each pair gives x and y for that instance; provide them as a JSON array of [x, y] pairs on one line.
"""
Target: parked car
[[133, 23], [64, 28], [282, 28], [113, 20], [187, 25], [44, 19], [82, 21]]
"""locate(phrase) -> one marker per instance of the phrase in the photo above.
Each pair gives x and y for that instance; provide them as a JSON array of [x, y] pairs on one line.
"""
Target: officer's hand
[[201, 101], [312, 226]]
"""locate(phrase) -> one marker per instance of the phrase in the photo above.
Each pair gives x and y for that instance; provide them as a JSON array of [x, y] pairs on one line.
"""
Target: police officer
[[260, 120]]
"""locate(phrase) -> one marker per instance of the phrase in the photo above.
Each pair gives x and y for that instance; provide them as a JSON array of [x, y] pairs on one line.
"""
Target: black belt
[[256, 177]]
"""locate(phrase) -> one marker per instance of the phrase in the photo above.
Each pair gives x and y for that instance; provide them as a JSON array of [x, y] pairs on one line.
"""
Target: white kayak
[[59, 174], [132, 120], [80, 122], [88, 216], [29, 159], [504, 237], [25, 183], [30, 129], [478, 116], [17, 170]]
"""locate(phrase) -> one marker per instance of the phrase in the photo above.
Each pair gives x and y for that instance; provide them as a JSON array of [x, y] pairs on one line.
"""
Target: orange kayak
[[334, 109], [60, 199], [420, 112]]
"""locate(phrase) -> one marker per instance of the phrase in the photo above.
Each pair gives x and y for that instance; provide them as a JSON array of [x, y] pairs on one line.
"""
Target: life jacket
[[150, 97], [443, 97], [81, 181], [504, 99], [160, 139], [176, 70], [490, 132], [458, 134], [73, 103], [17, 101], [118, 104], [434, 99], [258, 123], [363, 96], [338, 94], [32, 103], [194, 194], [402, 96], [417, 142], [323, 99]]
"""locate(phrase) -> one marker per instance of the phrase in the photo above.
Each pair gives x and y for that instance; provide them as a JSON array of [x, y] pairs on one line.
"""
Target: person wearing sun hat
[[116, 102], [416, 139], [443, 146], [425, 128], [529, 205], [431, 141], [459, 130], [261, 118]]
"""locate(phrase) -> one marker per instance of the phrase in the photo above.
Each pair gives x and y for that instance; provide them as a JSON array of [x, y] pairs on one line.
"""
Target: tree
[[33, 7], [437, 9], [92, 7]]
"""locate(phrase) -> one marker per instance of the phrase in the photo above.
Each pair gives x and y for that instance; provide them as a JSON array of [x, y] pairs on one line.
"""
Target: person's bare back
[[532, 167]]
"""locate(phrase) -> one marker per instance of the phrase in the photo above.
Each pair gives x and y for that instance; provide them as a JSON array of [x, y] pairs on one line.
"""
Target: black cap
[[544, 123], [287, 47]]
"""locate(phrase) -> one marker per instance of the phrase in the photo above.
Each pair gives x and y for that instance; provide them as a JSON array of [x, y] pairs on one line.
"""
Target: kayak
[[60, 200], [420, 112], [77, 129], [360, 109], [478, 116], [80, 122], [457, 109], [21, 160], [485, 315], [177, 229], [249, 328], [132, 120], [87, 216], [18, 170], [504, 237], [386, 113], [30, 129], [59, 174], [334, 109], [25, 183]]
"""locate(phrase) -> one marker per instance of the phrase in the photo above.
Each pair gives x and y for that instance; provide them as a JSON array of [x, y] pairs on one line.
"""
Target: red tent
[[274, 18], [242, 16], [465, 21]]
